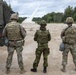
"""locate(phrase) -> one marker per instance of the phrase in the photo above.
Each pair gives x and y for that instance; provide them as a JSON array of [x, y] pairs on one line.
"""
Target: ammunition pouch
[[6, 42], [62, 47], [47, 51]]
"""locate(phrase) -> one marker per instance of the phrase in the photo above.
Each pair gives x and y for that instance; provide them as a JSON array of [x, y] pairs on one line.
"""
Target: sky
[[39, 8]]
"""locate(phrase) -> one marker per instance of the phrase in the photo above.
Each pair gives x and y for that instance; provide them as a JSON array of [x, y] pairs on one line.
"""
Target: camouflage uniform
[[15, 35], [68, 36], [42, 37]]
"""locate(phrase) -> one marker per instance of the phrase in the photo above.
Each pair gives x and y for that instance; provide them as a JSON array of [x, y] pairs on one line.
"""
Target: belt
[[15, 40]]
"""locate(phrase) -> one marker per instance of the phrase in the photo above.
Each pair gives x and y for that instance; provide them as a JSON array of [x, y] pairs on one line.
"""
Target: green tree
[[49, 20], [21, 19], [68, 12], [74, 17], [74, 10], [37, 19], [45, 17], [58, 17], [49, 16]]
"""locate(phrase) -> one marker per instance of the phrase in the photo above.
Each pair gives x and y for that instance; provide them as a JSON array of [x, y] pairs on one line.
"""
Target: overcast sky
[[41, 7]]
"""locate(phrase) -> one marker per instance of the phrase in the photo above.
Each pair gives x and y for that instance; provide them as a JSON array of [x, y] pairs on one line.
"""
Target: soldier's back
[[70, 35], [42, 36], [13, 31]]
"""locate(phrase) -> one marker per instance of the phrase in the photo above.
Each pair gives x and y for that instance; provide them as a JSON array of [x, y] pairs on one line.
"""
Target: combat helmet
[[43, 22], [14, 16], [69, 20]]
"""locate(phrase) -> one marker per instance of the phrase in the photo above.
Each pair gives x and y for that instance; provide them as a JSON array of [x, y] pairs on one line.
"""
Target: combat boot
[[34, 70], [45, 70], [7, 70], [63, 69], [22, 71]]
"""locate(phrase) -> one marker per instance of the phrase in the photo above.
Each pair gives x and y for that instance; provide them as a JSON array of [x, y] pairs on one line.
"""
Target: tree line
[[58, 17]]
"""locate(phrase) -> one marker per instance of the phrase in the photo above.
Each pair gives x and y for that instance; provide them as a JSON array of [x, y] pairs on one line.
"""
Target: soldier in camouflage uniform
[[68, 36], [42, 37], [15, 34]]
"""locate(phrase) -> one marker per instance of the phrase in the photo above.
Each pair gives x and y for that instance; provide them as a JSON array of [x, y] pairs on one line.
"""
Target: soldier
[[42, 36], [68, 36], [15, 34]]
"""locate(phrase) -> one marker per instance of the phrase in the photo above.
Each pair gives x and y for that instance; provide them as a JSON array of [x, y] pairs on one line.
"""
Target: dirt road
[[54, 60]]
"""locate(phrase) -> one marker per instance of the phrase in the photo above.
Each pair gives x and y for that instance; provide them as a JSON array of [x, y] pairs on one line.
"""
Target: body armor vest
[[42, 36], [13, 31], [70, 35]]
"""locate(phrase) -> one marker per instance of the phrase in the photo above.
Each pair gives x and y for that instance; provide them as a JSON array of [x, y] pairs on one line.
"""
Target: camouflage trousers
[[38, 54], [72, 49], [10, 56]]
